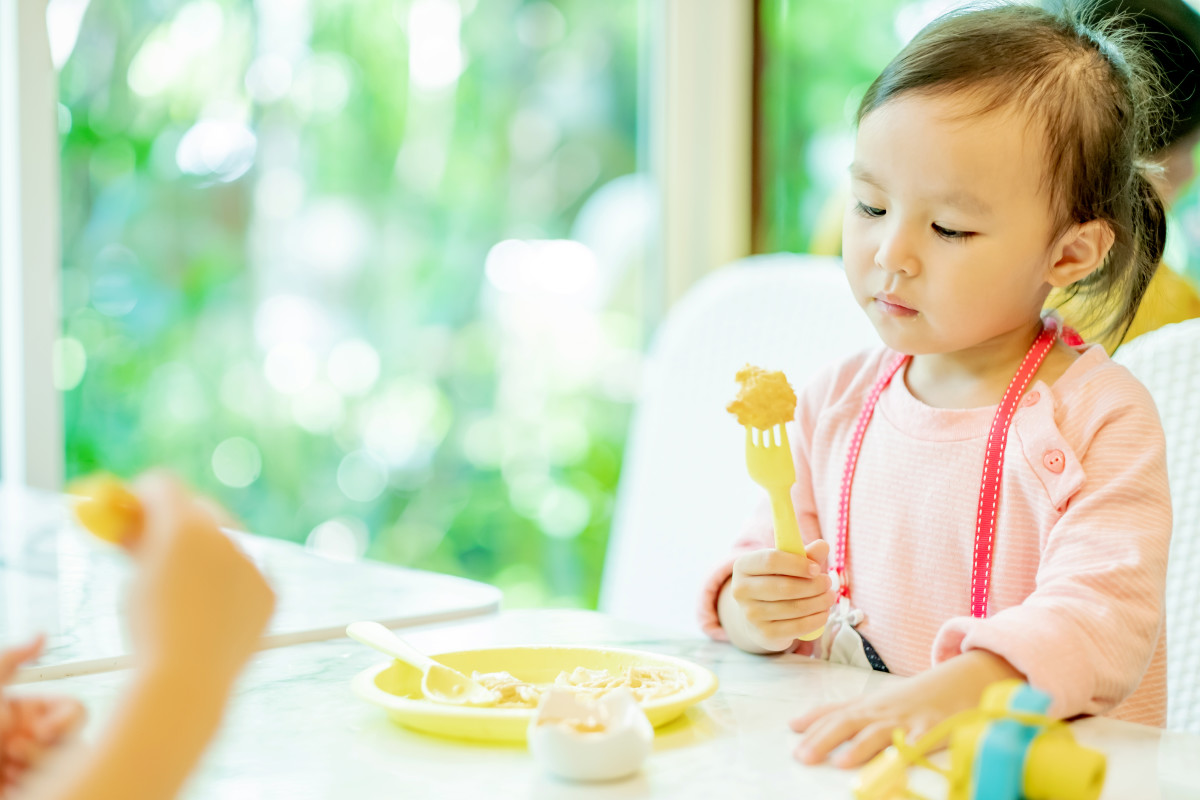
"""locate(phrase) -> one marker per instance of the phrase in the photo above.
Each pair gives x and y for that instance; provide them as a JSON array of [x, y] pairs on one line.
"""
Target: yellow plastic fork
[[770, 465]]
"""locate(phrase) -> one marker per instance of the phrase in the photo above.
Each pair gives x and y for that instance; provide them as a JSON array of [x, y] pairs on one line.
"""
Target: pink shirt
[[1082, 532]]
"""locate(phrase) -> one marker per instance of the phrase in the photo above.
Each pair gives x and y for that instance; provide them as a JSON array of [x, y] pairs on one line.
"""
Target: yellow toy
[[1007, 749], [106, 508]]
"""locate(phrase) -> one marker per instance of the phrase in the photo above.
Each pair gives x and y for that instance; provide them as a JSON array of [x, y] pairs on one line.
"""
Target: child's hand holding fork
[[775, 597]]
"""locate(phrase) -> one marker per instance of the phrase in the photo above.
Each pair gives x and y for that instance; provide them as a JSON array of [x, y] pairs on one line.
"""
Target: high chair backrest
[[684, 491], [1167, 361]]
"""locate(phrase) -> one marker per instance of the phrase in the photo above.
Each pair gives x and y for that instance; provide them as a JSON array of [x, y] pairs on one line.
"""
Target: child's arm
[[1089, 631], [196, 615], [150, 747], [916, 705]]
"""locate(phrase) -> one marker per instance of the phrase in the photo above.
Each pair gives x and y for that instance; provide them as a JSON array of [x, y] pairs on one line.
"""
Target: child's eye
[[946, 233], [868, 211]]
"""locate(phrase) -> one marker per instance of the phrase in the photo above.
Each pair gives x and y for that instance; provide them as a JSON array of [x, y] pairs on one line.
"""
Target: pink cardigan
[[1082, 534]]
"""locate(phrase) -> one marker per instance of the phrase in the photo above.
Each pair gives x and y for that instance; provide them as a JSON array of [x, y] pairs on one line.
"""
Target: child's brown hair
[[1093, 94]]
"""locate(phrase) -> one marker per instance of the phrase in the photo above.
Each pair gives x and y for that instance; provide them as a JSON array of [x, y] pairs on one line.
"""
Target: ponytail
[[1113, 293], [1148, 239]]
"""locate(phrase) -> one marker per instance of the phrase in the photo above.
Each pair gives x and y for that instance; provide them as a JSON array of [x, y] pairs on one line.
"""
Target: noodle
[[645, 683]]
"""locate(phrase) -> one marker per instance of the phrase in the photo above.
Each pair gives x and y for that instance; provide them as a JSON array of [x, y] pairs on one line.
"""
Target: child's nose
[[896, 252]]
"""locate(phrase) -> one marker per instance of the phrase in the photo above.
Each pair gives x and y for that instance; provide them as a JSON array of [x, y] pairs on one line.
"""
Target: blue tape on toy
[[1000, 759]]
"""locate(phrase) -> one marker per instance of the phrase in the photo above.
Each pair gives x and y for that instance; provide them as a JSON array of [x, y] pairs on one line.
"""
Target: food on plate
[[764, 400], [645, 683]]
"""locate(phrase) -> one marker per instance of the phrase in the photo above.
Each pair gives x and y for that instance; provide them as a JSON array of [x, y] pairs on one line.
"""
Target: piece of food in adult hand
[[106, 508]]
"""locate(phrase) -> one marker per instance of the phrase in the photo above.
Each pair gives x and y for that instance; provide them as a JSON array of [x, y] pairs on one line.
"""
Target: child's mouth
[[892, 306]]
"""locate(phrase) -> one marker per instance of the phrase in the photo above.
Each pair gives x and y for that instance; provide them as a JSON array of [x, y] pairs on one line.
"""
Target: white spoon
[[438, 682]]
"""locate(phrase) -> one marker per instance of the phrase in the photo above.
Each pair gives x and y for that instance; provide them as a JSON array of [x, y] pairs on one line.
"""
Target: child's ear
[[1079, 252]]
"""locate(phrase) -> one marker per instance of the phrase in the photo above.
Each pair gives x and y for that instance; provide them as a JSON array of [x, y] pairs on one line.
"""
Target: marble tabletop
[[295, 730], [57, 579]]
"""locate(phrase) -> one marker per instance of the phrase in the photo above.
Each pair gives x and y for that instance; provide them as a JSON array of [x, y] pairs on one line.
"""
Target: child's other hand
[[915, 705], [200, 604], [30, 726], [783, 596]]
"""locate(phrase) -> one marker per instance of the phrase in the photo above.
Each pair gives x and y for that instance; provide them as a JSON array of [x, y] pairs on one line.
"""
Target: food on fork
[[766, 398]]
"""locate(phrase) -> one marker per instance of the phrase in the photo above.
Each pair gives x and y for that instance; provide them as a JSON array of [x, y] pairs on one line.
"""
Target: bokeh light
[[563, 512], [330, 237], [70, 363], [222, 150], [555, 267], [435, 54], [362, 476], [237, 462], [318, 408], [290, 367], [287, 318], [176, 392], [269, 78], [482, 443], [63, 18], [404, 423], [322, 86], [341, 539], [353, 366]]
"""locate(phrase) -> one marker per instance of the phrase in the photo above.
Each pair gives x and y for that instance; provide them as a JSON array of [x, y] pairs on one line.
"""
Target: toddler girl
[[990, 492]]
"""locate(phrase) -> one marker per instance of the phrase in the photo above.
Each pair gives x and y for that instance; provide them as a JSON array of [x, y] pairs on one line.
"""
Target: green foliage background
[[496, 422], [165, 271]]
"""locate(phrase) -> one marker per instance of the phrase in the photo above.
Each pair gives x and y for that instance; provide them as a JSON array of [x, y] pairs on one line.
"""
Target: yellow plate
[[397, 687]]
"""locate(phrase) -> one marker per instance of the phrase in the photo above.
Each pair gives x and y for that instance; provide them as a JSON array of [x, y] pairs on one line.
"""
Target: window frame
[[31, 426], [701, 68]]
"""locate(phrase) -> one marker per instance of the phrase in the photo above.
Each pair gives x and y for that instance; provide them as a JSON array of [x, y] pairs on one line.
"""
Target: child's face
[[947, 237]]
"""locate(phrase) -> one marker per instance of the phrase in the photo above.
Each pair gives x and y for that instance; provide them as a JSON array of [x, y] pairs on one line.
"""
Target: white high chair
[[1167, 361], [684, 491]]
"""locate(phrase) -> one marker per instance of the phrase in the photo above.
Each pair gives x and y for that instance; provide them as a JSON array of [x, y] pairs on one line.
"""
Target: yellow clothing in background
[[826, 237], [1170, 297]]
